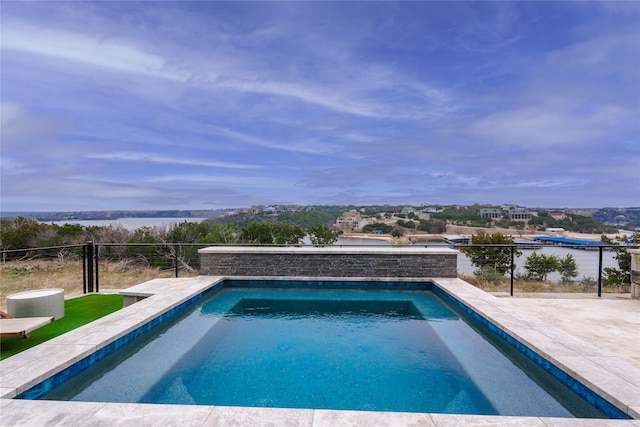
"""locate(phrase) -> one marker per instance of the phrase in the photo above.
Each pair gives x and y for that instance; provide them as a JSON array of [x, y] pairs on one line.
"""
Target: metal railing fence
[[177, 257], [593, 263]]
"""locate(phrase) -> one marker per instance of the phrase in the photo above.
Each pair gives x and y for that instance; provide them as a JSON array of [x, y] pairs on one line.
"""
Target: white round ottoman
[[38, 303]]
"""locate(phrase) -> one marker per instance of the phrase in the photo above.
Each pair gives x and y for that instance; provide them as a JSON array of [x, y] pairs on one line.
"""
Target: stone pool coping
[[613, 378]]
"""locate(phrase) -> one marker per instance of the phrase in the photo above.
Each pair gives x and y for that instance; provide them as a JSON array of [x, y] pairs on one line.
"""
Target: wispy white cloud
[[549, 183], [540, 127], [20, 127], [160, 159], [596, 52], [489, 28], [312, 95], [225, 180], [11, 166], [307, 146], [81, 48], [119, 55]]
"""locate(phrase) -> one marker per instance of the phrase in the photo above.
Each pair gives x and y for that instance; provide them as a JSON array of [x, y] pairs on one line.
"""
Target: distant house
[[408, 209], [493, 213], [431, 209], [619, 219], [558, 215], [349, 220], [519, 214]]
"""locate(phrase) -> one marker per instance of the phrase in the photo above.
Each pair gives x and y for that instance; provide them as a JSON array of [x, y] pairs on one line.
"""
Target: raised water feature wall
[[328, 261]]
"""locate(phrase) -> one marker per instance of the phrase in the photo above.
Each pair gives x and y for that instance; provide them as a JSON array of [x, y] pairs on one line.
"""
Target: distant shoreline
[[115, 214]]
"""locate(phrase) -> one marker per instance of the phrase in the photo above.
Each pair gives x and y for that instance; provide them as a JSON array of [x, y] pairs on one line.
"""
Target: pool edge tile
[[588, 422], [332, 418], [610, 386], [36, 370], [141, 414], [7, 393], [41, 413], [458, 420], [222, 416]]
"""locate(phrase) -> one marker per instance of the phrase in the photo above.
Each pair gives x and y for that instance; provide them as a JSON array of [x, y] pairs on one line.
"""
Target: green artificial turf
[[77, 312]]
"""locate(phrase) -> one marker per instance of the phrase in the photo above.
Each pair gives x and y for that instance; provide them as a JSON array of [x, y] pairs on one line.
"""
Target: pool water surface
[[381, 350]]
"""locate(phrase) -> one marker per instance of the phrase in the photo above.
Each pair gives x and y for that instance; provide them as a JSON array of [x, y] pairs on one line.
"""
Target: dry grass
[[22, 276]]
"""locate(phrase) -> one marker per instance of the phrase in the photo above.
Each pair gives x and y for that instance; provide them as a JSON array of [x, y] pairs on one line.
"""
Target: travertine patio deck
[[611, 322], [615, 375]]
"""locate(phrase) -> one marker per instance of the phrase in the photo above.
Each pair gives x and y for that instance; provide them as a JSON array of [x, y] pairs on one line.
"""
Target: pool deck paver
[[613, 322], [615, 376]]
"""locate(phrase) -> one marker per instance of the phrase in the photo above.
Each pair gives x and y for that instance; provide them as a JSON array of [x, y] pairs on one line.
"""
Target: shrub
[[397, 233], [568, 268], [488, 274], [491, 250], [538, 266]]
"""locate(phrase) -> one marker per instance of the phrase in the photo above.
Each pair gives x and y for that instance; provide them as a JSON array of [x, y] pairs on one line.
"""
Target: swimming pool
[[437, 340]]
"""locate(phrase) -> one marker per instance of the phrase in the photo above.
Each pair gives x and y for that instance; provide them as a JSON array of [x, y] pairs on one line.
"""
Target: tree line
[[152, 245], [490, 253]]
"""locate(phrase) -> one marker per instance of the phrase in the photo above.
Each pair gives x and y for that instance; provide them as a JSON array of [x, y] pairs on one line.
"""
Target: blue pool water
[[382, 350]]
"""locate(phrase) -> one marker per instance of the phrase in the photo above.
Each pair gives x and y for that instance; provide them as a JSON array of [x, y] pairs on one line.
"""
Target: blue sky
[[204, 105]]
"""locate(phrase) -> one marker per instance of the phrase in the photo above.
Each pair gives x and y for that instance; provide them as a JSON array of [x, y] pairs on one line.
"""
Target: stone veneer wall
[[328, 262]]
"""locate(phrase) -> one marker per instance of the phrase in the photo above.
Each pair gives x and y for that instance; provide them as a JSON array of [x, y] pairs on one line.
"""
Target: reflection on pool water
[[381, 350]]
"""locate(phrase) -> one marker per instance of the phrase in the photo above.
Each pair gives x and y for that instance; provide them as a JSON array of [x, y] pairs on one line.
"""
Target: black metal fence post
[[600, 272], [84, 269], [89, 247], [97, 270], [512, 268]]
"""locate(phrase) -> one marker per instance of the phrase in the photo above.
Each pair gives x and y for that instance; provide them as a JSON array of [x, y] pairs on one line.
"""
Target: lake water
[[587, 261], [128, 223]]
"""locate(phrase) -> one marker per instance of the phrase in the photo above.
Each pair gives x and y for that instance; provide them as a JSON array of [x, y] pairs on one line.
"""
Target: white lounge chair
[[20, 327]]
